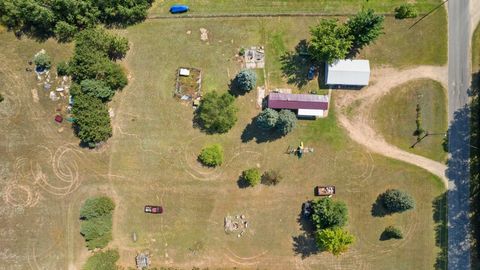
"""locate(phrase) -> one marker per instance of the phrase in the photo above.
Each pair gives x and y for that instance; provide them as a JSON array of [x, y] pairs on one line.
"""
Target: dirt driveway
[[358, 123]]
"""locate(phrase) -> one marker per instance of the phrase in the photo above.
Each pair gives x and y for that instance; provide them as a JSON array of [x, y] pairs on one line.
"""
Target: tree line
[[62, 19]]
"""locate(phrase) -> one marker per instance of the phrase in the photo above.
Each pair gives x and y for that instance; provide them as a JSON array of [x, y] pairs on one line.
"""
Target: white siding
[[348, 72]]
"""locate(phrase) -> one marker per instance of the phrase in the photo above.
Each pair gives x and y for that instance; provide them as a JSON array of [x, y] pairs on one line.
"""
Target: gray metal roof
[[348, 72]]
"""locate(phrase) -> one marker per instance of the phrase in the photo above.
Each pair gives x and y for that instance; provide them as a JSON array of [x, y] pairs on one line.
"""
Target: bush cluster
[[395, 200], [271, 178], [282, 122], [105, 260], [96, 225], [211, 155], [406, 11], [392, 232]]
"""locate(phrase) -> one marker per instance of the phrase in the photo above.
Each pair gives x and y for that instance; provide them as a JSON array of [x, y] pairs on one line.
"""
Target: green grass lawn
[[476, 50], [290, 6], [401, 46], [157, 146], [151, 159], [395, 117]]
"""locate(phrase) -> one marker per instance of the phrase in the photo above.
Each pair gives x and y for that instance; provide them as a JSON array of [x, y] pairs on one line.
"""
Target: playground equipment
[[298, 151]]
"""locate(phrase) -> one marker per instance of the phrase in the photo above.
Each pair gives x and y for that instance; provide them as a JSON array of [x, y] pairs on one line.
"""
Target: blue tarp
[[178, 8]]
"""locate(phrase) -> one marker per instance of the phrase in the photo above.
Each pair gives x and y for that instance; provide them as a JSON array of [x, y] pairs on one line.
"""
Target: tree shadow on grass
[[378, 210], [439, 205], [251, 132], [475, 169], [305, 244], [384, 236], [234, 88], [295, 64], [242, 183]]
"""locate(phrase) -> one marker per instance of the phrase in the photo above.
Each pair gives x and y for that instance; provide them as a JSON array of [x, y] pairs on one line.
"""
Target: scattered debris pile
[[203, 34], [236, 225], [142, 260], [188, 86], [255, 57], [56, 88]]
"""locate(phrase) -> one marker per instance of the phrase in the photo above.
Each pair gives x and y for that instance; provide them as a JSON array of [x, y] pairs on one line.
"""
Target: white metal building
[[348, 72]]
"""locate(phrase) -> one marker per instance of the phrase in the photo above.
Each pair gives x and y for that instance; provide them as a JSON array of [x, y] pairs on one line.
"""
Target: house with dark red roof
[[304, 105]]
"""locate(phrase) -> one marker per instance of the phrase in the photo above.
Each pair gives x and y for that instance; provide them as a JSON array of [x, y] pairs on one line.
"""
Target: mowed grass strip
[[476, 50], [395, 116], [288, 6]]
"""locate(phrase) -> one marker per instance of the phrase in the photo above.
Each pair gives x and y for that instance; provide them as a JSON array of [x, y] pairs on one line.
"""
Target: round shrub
[[245, 80], [267, 119], [287, 121], [1, 98], [252, 176], [43, 61], [212, 155], [392, 232], [395, 200], [405, 11]]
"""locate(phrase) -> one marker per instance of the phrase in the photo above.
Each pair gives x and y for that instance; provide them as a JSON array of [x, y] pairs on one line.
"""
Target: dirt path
[[358, 123]]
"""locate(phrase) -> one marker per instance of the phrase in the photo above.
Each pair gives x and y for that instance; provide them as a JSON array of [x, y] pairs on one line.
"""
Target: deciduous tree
[[217, 113], [330, 41], [365, 27], [92, 121], [328, 213], [334, 240]]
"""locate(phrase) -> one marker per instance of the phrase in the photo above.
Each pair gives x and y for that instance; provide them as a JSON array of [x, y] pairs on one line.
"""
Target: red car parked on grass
[[152, 209]]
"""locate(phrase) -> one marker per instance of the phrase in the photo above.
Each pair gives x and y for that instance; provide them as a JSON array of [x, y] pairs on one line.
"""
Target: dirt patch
[[359, 127]]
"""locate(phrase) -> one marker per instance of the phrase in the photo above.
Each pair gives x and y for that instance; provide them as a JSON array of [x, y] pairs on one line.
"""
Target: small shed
[[305, 105], [348, 72]]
